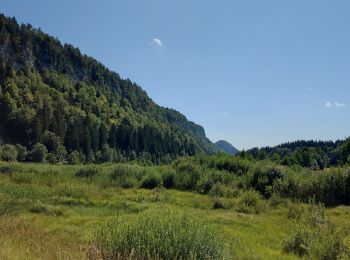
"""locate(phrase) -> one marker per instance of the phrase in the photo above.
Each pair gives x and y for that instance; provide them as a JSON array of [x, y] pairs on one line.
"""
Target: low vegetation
[[217, 207], [167, 236]]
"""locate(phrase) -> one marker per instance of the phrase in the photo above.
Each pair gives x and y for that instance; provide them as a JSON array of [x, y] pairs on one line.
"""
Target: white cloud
[[226, 114], [328, 104], [157, 42], [336, 104]]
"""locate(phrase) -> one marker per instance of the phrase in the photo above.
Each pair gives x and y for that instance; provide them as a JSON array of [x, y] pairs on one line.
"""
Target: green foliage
[[74, 158], [298, 242], [169, 178], [38, 153], [314, 237], [52, 158], [221, 190], [125, 175], [250, 202], [151, 180], [263, 177], [217, 190], [218, 204], [163, 236], [21, 153], [61, 154], [228, 163], [9, 153], [315, 155]]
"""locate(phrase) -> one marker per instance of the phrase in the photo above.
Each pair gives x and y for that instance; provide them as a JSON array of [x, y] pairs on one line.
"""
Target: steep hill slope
[[52, 94]]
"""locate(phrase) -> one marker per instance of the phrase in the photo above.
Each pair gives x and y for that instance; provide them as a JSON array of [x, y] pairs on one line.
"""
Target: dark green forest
[[311, 154], [59, 103]]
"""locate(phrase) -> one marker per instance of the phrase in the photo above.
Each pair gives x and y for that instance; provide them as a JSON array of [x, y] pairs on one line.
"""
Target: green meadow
[[118, 211]]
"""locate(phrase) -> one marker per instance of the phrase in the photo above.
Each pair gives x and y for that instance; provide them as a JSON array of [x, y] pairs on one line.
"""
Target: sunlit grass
[[52, 214]]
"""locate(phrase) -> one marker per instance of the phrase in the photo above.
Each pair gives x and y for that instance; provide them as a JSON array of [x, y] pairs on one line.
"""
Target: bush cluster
[[312, 236]]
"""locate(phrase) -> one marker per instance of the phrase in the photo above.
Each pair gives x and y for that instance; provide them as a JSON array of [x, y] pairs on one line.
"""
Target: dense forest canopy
[[311, 154], [70, 106]]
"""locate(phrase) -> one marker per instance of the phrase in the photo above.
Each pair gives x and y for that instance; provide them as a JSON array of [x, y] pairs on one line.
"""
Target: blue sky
[[254, 73]]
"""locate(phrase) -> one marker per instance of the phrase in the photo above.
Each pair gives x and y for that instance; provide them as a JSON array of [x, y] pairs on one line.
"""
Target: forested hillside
[[54, 100], [311, 154], [226, 147]]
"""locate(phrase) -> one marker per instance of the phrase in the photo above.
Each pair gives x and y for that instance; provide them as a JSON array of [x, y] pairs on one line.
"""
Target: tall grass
[[159, 236]]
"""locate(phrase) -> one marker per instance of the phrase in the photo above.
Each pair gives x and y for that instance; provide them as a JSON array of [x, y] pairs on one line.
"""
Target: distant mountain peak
[[226, 147]]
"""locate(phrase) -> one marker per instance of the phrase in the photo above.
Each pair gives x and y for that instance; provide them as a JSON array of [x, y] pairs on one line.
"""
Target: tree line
[[311, 154]]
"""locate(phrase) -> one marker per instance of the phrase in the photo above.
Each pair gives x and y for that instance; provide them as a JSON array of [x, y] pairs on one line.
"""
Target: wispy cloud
[[157, 42], [328, 104], [336, 104], [226, 114]]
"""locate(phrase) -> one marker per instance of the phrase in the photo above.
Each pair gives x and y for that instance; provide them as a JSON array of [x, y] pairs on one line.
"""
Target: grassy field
[[51, 212]]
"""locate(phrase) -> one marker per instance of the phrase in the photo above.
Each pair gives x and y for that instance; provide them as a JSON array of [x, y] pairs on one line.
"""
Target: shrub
[[159, 236], [187, 174], [229, 163], [276, 200], [218, 204], [9, 153], [323, 242], [332, 187], [151, 181], [125, 176], [295, 210], [330, 242], [314, 237], [204, 184], [250, 202], [38, 153], [298, 241], [61, 153], [52, 158], [87, 172], [169, 179], [217, 190], [314, 214], [22, 153], [74, 157], [159, 194], [263, 177], [250, 198]]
